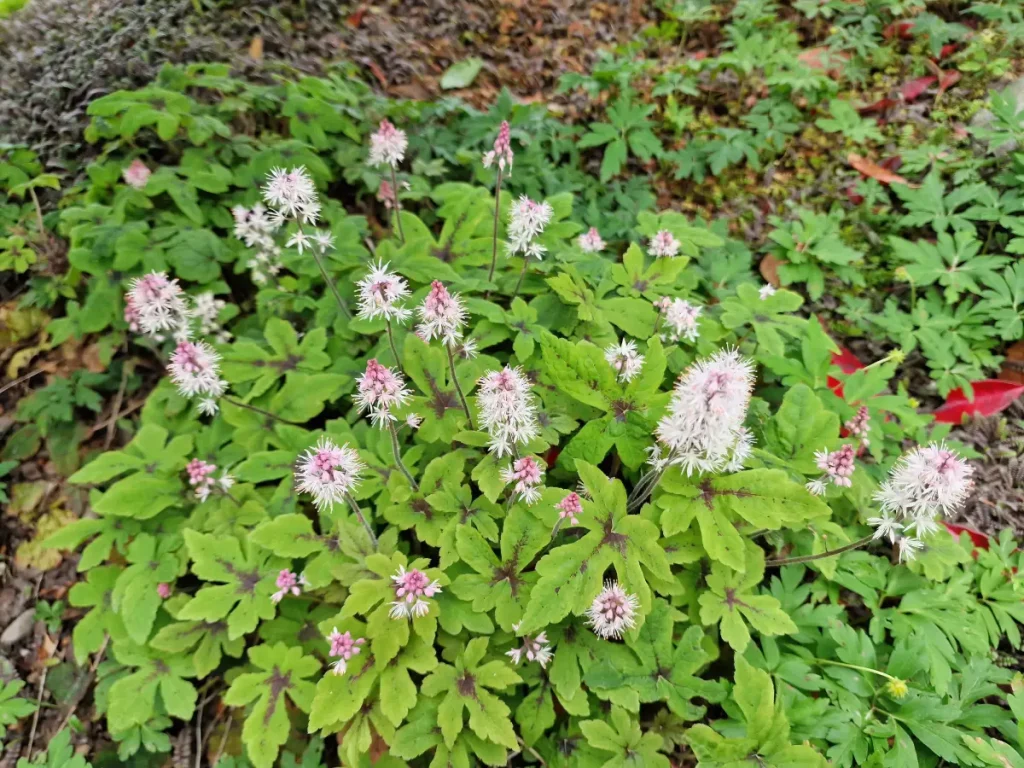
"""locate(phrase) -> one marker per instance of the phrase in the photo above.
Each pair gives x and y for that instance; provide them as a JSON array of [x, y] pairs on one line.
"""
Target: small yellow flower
[[896, 688], [897, 355], [913, 402], [901, 273]]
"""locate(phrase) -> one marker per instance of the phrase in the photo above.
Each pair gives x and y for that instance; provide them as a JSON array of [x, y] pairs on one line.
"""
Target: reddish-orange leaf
[[875, 171]]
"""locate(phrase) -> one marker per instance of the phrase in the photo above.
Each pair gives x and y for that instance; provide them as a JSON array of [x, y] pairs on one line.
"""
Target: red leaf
[[875, 171], [949, 78], [915, 88], [848, 363], [947, 49], [901, 29], [990, 396], [879, 106], [979, 539], [852, 196]]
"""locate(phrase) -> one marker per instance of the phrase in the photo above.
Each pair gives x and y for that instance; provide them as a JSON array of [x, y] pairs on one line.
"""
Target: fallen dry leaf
[[769, 269], [256, 49], [875, 171]]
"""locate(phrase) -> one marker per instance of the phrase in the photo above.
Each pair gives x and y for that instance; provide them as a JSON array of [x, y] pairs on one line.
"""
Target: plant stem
[[359, 514], [330, 283], [398, 457], [497, 209], [42, 229], [398, 205], [394, 349], [260, 411], [643, 489], [878, 672], [820, 556], [458, 387], [522, 276]]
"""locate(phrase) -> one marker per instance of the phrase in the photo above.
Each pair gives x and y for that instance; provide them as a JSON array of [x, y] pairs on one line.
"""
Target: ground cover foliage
[[618, 510]]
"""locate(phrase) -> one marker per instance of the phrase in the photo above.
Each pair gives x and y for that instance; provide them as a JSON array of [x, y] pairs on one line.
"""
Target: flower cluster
[[200, 477], [858, 425], [926, 483], [507, 409], [410, 589], [570, 508], [206, 308], [291, 195], [703, 430], [527, 476], [590, 241], [613, 611], [287, 582], [526, 222], [155, 304], [195, 371], [442, 315], [680, 319], [534, 648], [255, 228], [838, 467], [766, 291], [380, 390], [502, 152], [387, 145], [664, 245], [380, 294], [344, 647], [136, 174], [624, 358], [328, 472]]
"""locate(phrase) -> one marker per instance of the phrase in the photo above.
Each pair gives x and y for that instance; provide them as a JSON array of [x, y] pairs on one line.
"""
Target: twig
[[224, 738], [199, 734], [130, 409], [35, 716], [260, 411], [19, 380], [112, 423]]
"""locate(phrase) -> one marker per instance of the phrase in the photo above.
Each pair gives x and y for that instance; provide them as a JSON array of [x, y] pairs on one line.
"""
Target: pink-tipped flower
[[570, 508], [380, 389], [411, 587], [925, 484], [287, 582], [131, 315], [664, 245], [328, 472], [534, 648], [507, 409], [380, 293], [387, 145], [344, 647], [163, 590], [200, 477], [859, 424], [590, 241], [292, 195], [195, 371], [624, 358], [502, 152], [527, 475], [206, 310], [612, 612], [413, 421], [838, 465], [158, 303], [442, 315], [766, 291], [526, 221], [703, 428], [136, 174], [680, 318], [386, 194]]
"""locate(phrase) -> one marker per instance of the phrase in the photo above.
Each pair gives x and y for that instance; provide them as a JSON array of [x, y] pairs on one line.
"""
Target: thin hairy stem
[[260, 411], [522, 275], [820, 556], [342, 305], [398, 457], [359, 514], [398, 205], [643, 489], [458, 387], [497, 211], [394, 349]]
